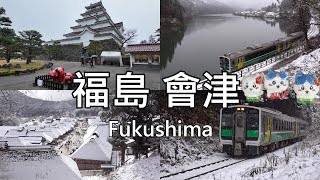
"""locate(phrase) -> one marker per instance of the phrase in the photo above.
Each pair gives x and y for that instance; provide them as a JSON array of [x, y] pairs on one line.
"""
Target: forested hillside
[[16, 105]]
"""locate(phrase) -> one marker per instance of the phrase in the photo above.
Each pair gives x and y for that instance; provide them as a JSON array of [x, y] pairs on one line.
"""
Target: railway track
[[201, 170]]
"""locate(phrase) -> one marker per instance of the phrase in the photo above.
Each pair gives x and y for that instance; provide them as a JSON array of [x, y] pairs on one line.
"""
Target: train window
[[226, 121], [280, 125], [260, 53], [289, 128], [253, 122]]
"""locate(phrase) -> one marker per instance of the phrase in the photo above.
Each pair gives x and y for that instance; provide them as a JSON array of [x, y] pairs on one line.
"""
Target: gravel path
[[25, 81]]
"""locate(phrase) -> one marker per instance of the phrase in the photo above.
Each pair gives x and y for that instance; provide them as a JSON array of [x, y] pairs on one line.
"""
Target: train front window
[[226, 121], [224, 63], [253, 124], [226, 126]]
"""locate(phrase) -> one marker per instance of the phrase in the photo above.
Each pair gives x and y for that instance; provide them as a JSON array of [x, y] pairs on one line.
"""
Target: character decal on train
[[276, 84], [252, 86], [306, 87]]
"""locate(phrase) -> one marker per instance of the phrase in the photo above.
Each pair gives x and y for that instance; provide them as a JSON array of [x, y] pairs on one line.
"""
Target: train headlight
[[238, 109], [242, 109]]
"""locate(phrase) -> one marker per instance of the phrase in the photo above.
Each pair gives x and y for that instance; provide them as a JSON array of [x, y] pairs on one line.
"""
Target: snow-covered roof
[[16, 133], [46, 135], [58, 167], [94, 148], [101, 130], [110, 54], [95, 121], [95, 144], [5, 129], [23, 141]]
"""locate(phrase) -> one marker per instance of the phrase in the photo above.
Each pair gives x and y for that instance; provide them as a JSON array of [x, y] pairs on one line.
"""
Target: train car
[[233, 62], [249, 130]]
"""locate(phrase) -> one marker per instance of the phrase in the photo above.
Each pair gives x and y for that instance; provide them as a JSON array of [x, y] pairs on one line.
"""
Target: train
[[232, 62], [250, 131]]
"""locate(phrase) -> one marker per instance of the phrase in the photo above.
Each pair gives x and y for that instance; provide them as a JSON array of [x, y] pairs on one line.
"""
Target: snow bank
[[145, 169]]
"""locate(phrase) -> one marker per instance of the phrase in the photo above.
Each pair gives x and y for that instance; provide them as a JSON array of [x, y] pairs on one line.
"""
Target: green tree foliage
[[272, 8], [8, 37], [54, 51], [8, 42], [4, 21], [171, 10], [31, 43], [95, 48]]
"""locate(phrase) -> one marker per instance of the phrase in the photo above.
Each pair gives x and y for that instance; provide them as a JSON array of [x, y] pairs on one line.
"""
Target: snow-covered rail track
[[201, 170]]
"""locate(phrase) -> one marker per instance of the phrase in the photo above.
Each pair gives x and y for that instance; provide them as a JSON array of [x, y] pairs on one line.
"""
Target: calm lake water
[[205, 38]]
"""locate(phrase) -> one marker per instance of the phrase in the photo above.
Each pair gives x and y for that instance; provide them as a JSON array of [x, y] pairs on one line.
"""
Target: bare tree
[[129, 36]]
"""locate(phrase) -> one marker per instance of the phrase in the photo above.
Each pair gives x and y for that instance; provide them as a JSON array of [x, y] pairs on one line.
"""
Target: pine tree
[[8, 38], [4, 21], [31, 43]]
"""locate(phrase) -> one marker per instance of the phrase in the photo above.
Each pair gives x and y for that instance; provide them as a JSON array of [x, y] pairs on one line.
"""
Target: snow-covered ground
[[300, 161], [308, 63], [145, 169]]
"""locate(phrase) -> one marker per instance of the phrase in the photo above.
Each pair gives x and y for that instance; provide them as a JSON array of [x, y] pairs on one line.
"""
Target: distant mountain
[[18, 104], [200, 7], [175, 12]]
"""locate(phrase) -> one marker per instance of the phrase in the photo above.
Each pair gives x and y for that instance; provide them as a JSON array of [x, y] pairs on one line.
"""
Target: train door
[[239, 132], [240, 62], [290, 44], [268, 129], [279, 48]]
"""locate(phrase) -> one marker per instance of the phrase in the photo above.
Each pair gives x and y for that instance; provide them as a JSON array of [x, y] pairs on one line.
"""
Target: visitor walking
[[82, 60], [93, 60]]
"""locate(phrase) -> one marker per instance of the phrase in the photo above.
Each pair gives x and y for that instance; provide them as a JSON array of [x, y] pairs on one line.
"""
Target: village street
[[25, 81], [72, 140]]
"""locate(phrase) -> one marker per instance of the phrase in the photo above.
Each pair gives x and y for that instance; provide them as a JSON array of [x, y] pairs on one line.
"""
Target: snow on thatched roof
[[52, 168], [94, 148], [95, 143]]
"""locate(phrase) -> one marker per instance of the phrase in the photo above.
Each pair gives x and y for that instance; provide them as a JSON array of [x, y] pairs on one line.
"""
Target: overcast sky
[[257, 4], [53, 18]]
